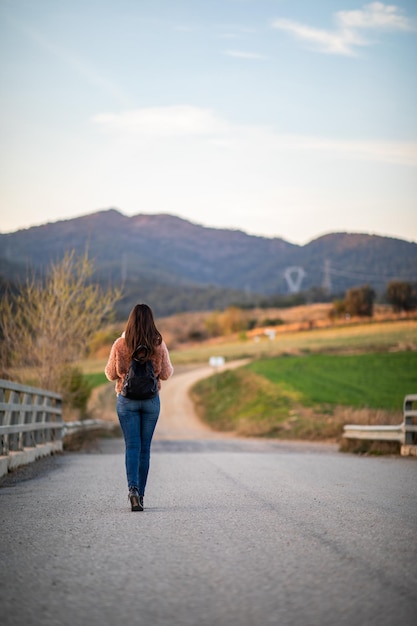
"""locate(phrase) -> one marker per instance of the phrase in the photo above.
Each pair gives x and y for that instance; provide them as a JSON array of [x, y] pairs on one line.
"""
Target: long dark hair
[[142, 332]]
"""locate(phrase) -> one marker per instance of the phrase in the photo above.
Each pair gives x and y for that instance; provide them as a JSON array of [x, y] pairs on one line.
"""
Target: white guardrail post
[[410, 416]]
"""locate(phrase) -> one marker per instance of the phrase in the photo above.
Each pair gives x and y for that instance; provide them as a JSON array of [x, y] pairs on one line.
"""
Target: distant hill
[[176, 265]]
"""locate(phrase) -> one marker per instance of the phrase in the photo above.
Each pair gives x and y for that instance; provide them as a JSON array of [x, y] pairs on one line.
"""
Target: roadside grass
[[308, 397], [240, 401]]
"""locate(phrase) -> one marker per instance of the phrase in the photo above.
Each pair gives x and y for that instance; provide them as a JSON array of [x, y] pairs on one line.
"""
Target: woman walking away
[[138, 417]]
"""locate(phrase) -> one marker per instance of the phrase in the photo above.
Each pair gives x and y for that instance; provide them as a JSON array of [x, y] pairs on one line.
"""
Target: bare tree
[[47, 323], [401, 295]]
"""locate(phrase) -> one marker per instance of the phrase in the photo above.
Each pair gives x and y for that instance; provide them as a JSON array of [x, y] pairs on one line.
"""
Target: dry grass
[[350, 338], [398, 334], [297, 330]]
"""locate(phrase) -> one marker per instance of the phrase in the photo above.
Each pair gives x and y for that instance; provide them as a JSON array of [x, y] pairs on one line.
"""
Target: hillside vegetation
[[176, 266]]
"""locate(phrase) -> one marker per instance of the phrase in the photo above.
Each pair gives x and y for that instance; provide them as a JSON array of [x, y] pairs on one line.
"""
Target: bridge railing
[[404, 433], [32, 426], [29, 417]]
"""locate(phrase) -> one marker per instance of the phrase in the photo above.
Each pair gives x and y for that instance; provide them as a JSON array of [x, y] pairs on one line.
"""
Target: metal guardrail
[[71, 428], [410, 416], [31, 424], [405, 433], [29, 417]]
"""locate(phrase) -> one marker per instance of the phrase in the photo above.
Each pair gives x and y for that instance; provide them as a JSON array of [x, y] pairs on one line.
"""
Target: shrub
[[338, 310], [360, 301], [76, 389]]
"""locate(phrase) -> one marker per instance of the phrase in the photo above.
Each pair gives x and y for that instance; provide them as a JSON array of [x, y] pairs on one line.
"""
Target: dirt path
[[178, 419]]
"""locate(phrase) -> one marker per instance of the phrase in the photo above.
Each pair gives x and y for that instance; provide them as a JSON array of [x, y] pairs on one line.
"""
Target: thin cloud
[[186, 120], [241, 54], [375, 16], [168, 121], [394, 152], [331, 42], [346, 38]]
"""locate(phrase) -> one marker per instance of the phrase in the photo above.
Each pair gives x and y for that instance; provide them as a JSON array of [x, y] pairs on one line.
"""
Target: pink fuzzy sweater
[[119, 361]]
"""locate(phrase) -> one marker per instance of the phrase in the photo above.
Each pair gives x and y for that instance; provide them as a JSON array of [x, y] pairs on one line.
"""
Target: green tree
[[47, 323], [360, 301], [401, 296]]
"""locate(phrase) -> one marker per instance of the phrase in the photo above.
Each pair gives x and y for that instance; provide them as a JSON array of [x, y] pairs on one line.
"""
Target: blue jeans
[[138, 420]]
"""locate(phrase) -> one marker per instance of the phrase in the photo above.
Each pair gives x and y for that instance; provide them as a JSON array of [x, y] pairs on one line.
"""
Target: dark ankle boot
[[135, 499]]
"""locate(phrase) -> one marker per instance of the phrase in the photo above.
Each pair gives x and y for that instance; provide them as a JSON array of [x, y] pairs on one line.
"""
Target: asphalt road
[[235, 533]]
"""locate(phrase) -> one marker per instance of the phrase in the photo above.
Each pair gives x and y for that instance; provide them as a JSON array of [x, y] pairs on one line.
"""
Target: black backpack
[[140, 382]]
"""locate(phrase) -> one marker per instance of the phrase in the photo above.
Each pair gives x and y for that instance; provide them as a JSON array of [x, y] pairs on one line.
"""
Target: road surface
[[235, 533]]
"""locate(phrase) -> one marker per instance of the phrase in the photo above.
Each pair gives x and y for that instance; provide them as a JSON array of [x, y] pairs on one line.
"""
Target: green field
[[308, 397], [377, 380]]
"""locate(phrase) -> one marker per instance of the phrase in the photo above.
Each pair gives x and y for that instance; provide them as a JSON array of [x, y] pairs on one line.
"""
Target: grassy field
[[374, 337], [365, 337], [372, 380], [308, 397]]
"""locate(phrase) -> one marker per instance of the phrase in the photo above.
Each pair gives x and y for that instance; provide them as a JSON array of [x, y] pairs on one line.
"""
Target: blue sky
[[289, 118]]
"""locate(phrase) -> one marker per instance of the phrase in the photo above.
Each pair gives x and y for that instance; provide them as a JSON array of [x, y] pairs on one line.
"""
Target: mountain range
[[177, 265]]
